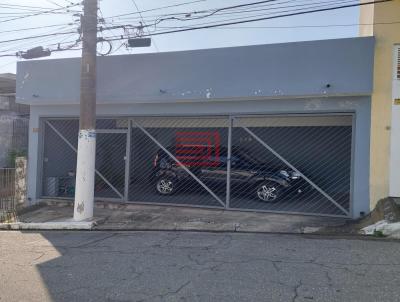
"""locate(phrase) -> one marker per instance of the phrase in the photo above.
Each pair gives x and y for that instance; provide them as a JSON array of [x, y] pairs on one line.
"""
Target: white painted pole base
[[85, 175]]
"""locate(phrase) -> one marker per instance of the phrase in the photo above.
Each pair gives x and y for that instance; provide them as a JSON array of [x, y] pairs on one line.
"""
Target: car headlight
[[284, 173], [295, 175]]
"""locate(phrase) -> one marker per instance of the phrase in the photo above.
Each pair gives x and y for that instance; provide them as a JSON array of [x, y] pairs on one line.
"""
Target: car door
[[241, 170], [216, 171]]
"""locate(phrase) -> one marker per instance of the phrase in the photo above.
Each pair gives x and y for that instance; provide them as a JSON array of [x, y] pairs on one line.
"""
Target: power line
[[302, 7], [209, 26], [269, 27], [144, 23], [270, 6], [40, 13], [38, 36], [12, 11], [15, 6], [33, 28], [294, 26], [273, 7], [157, 17], [217, 24], [157, 8], [262, 19], [28, 43], [214, 11], [54, 3]]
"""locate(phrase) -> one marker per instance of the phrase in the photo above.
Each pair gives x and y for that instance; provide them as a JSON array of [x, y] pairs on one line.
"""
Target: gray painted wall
[[359, 105], [257, 72]]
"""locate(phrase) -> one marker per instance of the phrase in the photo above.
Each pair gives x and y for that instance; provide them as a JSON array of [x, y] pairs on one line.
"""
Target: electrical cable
[[144, 23], [295, 26], [39, 13], [34, 28], [208, 25], [303, 6], [263, 18], [157, 8], [38, 36]]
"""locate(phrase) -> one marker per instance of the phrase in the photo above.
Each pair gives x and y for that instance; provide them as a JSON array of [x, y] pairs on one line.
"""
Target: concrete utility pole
[[85, 171]]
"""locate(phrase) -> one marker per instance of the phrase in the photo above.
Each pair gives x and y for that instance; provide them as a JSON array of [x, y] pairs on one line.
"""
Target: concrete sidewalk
[[115, 216]]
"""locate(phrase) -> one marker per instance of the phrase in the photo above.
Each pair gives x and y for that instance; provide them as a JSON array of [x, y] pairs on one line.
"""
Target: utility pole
[[85, 171]]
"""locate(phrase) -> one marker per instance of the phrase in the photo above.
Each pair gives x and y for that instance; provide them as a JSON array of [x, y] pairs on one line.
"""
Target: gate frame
[[230, 118], [47, 121], [281, 158], [178, 162]]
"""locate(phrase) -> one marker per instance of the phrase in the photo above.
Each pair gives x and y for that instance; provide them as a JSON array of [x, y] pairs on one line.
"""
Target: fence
[[7, 194], [13, 139], [278, 163], [20, 134]]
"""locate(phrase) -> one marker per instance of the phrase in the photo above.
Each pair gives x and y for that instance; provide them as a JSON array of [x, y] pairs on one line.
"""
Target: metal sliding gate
[[59, 158], [291, 163]]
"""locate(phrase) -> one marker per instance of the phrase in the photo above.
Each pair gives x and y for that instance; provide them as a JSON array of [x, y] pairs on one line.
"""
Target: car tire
[[268, 191], [165, 186]]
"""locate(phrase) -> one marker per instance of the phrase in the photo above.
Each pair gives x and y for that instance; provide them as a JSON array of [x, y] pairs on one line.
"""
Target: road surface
[[168, 266]]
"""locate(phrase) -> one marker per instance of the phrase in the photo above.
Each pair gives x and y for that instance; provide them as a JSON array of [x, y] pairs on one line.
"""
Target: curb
[[53, 225]]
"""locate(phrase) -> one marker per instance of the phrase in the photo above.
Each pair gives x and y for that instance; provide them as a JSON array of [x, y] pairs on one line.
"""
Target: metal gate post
[[127, 161], [352, 169], [228, 164]]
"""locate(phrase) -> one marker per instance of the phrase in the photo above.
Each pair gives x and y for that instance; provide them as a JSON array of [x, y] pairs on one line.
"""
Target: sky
[[314, 26]]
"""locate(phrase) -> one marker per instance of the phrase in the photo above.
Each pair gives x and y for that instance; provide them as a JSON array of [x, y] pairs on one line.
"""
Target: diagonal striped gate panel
[[182, 150], [235, 162], [318, 149]]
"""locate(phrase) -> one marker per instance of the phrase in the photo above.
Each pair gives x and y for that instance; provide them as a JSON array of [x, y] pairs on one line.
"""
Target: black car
[[249, 176]]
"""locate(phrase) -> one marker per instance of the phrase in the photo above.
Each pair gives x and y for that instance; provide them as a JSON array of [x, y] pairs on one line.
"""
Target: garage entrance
[[280, 163]]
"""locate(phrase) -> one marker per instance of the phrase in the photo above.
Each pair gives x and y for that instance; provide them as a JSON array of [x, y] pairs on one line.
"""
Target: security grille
[[291, 163], [312, 154], [173, 160], [7, 194], [59, 159]]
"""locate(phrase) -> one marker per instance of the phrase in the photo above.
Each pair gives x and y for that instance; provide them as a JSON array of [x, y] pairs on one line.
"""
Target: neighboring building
[[302, 106], [13, 121], [382, 21]]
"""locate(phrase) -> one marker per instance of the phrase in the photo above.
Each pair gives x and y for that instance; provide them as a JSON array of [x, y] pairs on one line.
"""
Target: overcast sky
[[262, 32]]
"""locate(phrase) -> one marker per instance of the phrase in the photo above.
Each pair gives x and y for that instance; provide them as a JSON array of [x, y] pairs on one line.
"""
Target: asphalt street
[[184, 266]]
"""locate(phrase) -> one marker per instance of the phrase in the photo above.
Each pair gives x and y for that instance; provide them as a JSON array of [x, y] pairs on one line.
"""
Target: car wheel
[[165, 185], [269, 192]]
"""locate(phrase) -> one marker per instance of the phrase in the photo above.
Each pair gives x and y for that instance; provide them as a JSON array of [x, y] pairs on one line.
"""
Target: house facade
[[223, 126], [382, 22]]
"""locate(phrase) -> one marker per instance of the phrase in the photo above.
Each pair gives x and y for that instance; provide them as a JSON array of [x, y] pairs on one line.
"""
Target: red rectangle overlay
[[198, 148]]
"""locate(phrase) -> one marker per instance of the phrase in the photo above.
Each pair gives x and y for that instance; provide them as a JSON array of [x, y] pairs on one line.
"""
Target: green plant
[[12, 155]]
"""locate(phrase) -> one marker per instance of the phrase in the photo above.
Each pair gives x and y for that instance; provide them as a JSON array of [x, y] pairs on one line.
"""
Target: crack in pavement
[[166, 294], [296, 291], [86, 244]]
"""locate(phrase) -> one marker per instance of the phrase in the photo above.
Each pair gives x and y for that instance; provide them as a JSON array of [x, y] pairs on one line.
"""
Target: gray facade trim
[[275, 71]]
